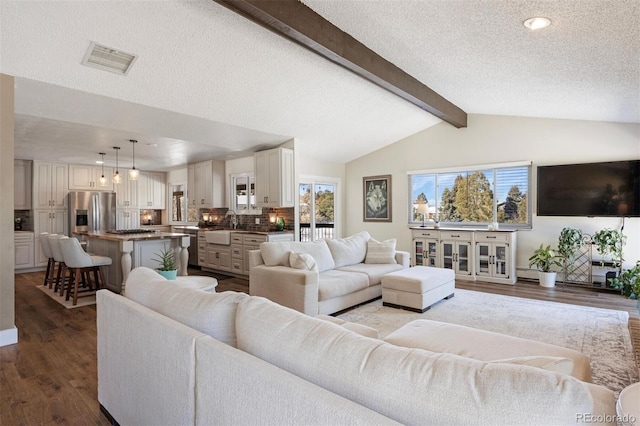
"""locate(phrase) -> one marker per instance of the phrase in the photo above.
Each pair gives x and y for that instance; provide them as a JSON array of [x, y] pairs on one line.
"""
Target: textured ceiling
[[210, 83]]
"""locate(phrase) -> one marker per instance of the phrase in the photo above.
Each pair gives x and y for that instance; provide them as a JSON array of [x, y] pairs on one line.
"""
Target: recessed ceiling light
[[537, 23]]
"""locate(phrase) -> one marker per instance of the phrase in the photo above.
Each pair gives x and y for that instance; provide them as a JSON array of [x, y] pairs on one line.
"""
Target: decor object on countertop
[[279, 224], [167, 260], [544, 258], [377, 198], [610, 243]]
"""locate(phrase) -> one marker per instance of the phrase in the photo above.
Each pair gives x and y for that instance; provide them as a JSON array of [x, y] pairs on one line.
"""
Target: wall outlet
[[257, 221]]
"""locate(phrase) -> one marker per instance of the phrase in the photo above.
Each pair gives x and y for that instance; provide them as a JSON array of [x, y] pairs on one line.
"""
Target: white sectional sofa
[[326, 276], [173, 355]]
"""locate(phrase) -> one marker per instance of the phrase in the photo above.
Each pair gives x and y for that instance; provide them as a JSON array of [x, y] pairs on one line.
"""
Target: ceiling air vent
[[108, 59]]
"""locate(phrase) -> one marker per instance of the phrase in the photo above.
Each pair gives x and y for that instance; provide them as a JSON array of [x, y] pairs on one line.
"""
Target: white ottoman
[[197, 282], [416, 289]]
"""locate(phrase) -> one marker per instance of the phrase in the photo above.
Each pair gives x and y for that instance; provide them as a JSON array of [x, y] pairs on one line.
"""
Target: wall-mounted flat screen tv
[[591, 189]]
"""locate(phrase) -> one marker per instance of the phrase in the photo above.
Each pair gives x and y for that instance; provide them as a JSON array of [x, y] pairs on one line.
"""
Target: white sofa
[[173, 355], [339, 274]]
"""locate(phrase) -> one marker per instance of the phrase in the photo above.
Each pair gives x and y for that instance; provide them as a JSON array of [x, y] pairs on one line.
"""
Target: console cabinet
[[471, 254]]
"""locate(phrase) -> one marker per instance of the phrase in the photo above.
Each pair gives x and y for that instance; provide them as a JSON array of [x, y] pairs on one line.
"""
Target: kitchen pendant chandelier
[[103, 180], [133, 172], [116, 175]]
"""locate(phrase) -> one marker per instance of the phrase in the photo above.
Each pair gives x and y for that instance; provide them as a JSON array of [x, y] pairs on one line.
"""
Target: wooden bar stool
[[51, 262], [80, 264]]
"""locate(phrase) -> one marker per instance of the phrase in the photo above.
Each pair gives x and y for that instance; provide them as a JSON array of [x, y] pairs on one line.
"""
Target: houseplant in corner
[[544, 258], [167, 260]]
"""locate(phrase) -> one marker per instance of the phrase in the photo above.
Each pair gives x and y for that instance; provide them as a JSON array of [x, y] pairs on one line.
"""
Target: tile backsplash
[[25, 219], [218, 217]]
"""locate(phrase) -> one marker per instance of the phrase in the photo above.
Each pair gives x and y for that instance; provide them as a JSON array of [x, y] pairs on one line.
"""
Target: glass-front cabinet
[[493, 255], [456, 252], [425, 248], [243, 194]]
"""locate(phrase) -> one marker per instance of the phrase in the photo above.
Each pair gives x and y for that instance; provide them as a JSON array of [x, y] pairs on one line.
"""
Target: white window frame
[[321, 180]]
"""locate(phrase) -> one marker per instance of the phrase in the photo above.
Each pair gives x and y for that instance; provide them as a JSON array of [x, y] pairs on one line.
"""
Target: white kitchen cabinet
[[495, 257], [128, 218], [51, 221], [24, 250], [126, 192], [274, 177], [87, 178], [151, 190], [50, 185], [218, 257], [22, 185], [206, 182]]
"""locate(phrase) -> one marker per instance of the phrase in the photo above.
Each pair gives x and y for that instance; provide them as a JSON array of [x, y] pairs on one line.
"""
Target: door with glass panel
[[317, 210], [492, 260]]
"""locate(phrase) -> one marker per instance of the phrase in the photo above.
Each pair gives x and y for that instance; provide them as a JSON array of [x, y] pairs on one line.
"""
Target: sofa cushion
[[210, 313], [335, 283], [362, 330], [302, 261], [411, 386], [320, 252], [350, 250], [381, 252], [275, 253], [373, 271], [551, 363]]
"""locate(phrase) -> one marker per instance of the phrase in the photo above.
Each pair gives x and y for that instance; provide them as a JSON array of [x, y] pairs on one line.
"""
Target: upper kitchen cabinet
[[151, 190], [87, 178], [206, 184], [126, 192], [50, 185], [274, 178], [22, 183]]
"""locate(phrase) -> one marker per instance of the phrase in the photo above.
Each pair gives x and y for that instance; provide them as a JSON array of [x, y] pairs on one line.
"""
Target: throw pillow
[[350, 250], [274, 254], [381, 252], [551, 363], [302, 261], [320, 252]]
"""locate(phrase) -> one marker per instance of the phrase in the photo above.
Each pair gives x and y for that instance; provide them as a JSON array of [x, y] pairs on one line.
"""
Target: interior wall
[[494, 139], [8, 330]]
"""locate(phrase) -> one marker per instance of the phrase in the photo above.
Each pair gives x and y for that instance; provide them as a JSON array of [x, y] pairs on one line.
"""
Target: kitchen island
[[129, 251]]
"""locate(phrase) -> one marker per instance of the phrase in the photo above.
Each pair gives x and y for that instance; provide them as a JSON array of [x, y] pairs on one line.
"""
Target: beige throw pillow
[[381, 252], [302, 261]]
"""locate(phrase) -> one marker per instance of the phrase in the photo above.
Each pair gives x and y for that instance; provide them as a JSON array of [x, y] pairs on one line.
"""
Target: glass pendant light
[[116, 175], [133, 172], [102, 180]]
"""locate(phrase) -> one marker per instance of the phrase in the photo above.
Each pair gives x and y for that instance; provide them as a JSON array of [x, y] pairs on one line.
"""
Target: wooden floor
[[50, 376]]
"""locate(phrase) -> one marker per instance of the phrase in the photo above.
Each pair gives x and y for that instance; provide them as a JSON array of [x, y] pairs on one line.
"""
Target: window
[[318, 201], [243, 190], [477, 195]]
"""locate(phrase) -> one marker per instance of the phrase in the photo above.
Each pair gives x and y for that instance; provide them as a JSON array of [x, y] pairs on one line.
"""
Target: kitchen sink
[[218, 237]]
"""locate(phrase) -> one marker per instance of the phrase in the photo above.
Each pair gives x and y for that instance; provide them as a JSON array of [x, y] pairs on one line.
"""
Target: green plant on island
[[167, 260], [610, 243], [628, 282], [544, 257]]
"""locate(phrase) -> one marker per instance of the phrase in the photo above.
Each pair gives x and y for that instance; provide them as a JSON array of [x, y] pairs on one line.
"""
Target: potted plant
[[167, 260], [569, 242], [609, 243], [628, 282], [544, 258]]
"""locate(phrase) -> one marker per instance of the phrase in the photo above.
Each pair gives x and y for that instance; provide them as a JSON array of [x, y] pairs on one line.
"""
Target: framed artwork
[[377, 198]]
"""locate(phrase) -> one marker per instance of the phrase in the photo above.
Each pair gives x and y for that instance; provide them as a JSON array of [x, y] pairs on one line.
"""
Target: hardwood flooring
[[50, 376]]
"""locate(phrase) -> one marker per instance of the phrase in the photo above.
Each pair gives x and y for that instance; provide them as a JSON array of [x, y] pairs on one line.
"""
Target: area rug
[[82, 301], [600, 334]]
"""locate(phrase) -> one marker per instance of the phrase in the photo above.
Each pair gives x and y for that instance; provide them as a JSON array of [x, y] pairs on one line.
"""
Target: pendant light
[[116, 175], [102, 180], [133, 172]]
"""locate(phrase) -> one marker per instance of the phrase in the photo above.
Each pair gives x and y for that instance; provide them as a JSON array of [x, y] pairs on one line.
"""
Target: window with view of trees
[[475, 196]]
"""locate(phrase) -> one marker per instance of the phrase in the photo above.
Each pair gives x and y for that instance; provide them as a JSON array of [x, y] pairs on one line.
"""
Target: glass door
[[462, 258], [418, 249], [317, 207], [500, 261], [431, 256], [448, 256], [483, 262]]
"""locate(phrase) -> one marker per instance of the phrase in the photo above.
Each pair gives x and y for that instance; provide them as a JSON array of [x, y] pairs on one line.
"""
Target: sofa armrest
[[403, 258], [294, 288]]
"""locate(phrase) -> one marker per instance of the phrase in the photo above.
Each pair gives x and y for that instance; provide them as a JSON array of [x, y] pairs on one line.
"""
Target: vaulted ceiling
[[209, 83]]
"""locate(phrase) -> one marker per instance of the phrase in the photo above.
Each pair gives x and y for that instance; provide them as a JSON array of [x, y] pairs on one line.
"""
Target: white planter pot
[[547, 279]]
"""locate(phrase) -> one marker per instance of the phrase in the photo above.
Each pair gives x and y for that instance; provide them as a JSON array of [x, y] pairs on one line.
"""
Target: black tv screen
[[591, 189]]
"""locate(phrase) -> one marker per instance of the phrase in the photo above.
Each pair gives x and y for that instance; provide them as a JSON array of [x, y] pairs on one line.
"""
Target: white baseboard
[[8, 336]]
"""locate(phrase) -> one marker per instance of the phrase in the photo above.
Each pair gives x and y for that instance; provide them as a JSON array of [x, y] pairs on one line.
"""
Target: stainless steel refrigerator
[[91, 211]]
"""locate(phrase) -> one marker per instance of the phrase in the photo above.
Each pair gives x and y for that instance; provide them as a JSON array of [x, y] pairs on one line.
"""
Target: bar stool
[[51, 263], [79, 262], [61, 276]]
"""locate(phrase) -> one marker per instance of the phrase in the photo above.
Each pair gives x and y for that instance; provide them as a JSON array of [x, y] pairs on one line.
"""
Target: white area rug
[[82, 301], [600, 334]]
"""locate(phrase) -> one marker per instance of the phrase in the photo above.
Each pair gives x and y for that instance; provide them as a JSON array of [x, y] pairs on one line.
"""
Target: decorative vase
[[547, 279], [280, 224], [170, 275]]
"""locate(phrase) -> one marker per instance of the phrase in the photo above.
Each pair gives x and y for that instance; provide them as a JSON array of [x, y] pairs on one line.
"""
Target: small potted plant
[[628, 282], [167, 260], [609, 243], [570, 242], [544, 258]]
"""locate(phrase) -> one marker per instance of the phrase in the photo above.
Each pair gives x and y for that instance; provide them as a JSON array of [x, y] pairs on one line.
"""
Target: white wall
[[494, 139]]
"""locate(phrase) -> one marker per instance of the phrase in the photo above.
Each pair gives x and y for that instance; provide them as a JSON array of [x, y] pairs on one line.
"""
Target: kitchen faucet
[[234, 218]]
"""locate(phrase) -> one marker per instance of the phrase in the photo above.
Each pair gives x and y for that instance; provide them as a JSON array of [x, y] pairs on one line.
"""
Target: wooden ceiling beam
[[297, 22]]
